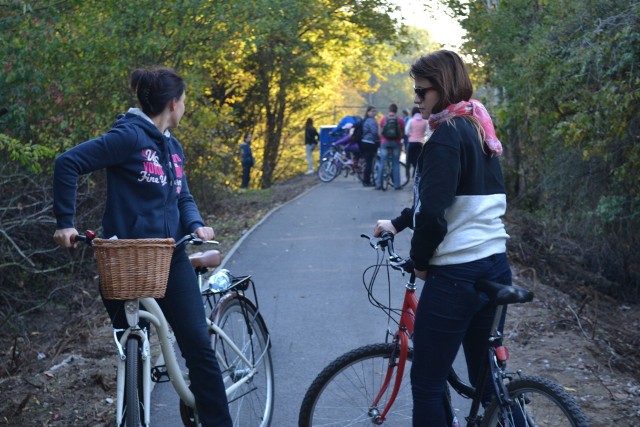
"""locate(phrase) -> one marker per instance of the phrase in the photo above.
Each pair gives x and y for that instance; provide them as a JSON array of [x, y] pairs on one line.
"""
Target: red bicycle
[[370, 385]]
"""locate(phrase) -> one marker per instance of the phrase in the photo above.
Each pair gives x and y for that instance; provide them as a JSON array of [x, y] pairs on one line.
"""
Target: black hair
[[155, 87]]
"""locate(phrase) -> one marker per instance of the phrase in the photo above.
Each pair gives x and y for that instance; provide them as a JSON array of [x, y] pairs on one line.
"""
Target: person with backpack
[[391, 137]]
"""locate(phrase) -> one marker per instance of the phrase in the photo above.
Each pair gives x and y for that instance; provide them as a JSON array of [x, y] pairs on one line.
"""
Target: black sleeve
[[404, 220], [440, 174]]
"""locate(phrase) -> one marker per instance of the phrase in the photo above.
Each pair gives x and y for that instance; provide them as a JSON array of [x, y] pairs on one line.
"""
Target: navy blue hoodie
[[147, 192]]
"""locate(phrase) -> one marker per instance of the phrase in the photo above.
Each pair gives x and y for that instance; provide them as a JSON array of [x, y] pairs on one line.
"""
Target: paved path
[[307, 260]]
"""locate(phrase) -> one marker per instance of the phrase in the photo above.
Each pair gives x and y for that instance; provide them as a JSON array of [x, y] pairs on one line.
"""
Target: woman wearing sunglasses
[[458, 233]]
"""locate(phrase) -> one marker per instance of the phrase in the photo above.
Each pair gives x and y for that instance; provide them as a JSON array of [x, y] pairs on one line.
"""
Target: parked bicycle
[[239, 337], [370, 385], [387, 171], [335, 161]]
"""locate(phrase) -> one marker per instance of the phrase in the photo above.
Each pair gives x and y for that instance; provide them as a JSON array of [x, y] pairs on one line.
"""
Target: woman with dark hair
[[369, 144], [458, 234], [148, 197], [310, 142]]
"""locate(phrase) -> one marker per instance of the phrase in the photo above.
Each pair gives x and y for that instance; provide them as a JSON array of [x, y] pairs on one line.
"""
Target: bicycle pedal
[[159, 374]]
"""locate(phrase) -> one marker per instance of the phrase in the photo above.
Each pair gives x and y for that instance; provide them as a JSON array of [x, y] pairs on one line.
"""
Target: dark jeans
[[368, 151], [246, 170], [451, 312], [184, 310], [412, 157]]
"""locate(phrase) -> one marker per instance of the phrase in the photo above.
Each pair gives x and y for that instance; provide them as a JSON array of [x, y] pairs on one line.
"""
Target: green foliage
[[261, 67], [567, 74]]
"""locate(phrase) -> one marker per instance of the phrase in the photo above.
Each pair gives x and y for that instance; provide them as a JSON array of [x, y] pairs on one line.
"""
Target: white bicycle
[[239, 337]]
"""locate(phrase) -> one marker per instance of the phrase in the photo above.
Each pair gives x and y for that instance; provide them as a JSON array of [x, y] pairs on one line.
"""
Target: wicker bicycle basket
[[133, 268]]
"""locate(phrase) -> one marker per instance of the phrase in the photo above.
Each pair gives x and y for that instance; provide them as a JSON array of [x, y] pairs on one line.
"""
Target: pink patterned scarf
[[470, 108]]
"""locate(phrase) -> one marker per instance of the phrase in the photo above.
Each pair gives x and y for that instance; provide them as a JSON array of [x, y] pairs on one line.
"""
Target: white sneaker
[[309, 172]]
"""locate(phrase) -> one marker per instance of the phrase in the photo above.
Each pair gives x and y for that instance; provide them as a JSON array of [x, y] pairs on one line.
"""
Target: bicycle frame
[[495, 353], [134, 340], [153, 314], [402, 336], [342, 393]]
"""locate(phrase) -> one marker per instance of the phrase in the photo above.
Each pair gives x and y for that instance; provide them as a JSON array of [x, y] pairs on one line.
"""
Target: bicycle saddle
[[208, 259], [501, 294]]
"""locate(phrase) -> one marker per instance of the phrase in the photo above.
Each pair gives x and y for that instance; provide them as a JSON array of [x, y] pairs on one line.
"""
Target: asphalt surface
[[307, 260]]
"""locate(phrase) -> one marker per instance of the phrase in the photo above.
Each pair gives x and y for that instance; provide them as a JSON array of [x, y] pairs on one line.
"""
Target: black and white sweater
[[459, 199]]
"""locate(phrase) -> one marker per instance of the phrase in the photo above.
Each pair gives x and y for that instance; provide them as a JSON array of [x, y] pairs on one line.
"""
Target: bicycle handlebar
[[386, 241], [192, 239]]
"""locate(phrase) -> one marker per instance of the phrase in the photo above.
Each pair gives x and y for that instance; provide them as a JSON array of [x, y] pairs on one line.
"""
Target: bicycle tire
[[386, 176], [342, 393], [376, 170], [359, 168], [252, 403], [132, 398], [328, 170], [542, 402], [403, 176]]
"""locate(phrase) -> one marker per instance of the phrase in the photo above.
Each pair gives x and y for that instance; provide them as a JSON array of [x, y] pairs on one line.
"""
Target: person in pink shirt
[[416, 130]]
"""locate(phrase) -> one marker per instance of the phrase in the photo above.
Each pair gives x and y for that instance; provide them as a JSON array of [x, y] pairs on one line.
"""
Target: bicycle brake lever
[[403, 264]]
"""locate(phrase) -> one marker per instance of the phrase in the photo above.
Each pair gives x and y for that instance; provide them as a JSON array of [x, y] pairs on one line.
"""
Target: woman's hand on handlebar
[[66, 237], [383, 225], [205, 233]]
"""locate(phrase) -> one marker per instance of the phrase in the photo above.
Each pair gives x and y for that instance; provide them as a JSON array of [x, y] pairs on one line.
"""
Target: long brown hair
[[448, 75], [446, 71]]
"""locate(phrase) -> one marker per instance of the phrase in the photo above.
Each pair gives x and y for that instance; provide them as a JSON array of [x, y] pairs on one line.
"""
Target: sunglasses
[[422, 91]]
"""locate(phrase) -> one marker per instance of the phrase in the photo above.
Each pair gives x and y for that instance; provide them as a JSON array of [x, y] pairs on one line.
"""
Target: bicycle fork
[[401, 341], [132, 312], [403, 344]]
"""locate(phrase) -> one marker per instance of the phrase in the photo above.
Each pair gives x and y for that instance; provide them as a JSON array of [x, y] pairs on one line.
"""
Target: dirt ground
[[54, 376]]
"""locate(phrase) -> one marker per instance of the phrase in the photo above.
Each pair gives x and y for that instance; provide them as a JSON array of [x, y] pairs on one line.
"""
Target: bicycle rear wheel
[[132, 383], [252, 403], [328, 170], [342, 393], [404, 179], [387, 176], [537, 402], [359, 168]]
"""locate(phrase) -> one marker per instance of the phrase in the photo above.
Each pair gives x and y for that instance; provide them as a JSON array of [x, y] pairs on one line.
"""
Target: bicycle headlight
[[220, 281]]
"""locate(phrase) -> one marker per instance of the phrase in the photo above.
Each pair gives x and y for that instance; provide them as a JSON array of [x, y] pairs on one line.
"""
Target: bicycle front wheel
[[343, 393], [328, 170], [251, 404], [537, 402], [131, 394]]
